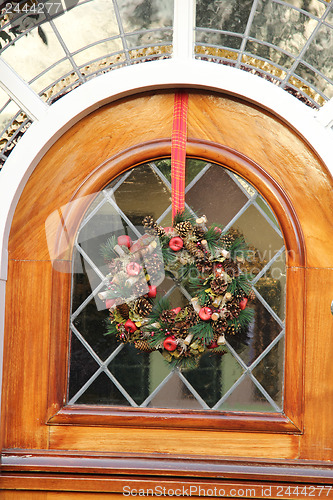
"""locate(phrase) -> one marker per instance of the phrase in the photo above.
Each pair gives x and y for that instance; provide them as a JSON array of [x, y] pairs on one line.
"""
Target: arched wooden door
[[98, 450]]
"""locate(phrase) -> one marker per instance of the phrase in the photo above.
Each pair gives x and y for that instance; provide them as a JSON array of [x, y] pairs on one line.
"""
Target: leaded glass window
[[104, 371]]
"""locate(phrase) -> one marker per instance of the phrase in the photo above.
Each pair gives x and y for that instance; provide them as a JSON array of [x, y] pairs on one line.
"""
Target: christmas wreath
[[203, 260]]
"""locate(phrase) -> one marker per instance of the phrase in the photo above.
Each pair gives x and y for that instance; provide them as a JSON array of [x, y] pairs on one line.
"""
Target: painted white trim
[[134, 79], [183, 29], [21, 92], [325, 114]]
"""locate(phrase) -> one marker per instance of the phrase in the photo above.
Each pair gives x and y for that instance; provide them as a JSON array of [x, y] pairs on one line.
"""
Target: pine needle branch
[[107, 249], [185, 215]]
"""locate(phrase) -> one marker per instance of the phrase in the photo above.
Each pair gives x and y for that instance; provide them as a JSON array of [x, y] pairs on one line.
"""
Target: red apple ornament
[[133, 269], [205, 313], [152, 291], [170, 343], [243, 303], [130, 326], [176, 243], [124, 240]]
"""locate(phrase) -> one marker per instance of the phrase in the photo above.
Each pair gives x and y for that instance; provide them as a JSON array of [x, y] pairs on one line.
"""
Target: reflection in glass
[[290, 33], [223, 15], [320, 51], [248, 373], [246, 397]]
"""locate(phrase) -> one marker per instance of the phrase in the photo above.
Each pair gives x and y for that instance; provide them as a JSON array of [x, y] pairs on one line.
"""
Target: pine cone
[[218, 285], [143, 307], [231, 268], [198, 232], [219, 326], [123, 309], [179, 329], [160, 231], [233, 310], [205, 266], [148, 221], [251, 295], [154, 266], [168, 316], [239, 295], [231, 330], [192, 317], [143, 345], [194, 250], [183, 228]]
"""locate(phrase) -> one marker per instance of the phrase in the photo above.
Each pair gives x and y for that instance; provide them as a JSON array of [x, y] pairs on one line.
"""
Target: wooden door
[[49, 447]]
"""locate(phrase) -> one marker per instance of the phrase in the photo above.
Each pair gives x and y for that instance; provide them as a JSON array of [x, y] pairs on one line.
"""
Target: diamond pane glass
[[103, 391], [205, 196], [246, 397], [111, 362], [268, 372]]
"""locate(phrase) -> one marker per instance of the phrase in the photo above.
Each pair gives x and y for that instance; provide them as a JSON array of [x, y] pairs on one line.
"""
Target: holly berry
[[243, 303], [170, 343], [205, 313], [176, 310], [130, 326], [133, 269], [124, 240], [152, 291], [176, 243]]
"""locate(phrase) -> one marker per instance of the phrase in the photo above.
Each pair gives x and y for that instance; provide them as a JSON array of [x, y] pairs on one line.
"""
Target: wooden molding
[[58, 413], [166, 466]]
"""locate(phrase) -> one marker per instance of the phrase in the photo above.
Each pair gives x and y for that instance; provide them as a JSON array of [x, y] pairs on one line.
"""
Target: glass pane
[[246, 397], [204, 196], [83, 366], [175, 394], [145, 14], [90, 323], [269, 372], [103, 391], [315, 80], [214, 376], [227, 15], [89, 23], [258, 337], [131, 369], [43, 41], [290, 32], [272, 286], [217, 38], [270, 54], [165, 318], [267, 241], [320, 51], [142, 193], [315, 7]]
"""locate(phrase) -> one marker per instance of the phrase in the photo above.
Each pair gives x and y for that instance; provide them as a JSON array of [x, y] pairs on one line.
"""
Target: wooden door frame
[[44, 445], [290, 421]]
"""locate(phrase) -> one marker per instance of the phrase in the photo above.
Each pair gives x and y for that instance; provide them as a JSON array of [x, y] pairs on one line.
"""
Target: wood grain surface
[[295, 184]]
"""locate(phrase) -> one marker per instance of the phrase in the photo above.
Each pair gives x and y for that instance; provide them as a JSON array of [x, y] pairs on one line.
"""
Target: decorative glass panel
[[229, 365]]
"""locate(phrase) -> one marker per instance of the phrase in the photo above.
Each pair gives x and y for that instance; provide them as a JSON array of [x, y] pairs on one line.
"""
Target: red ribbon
[[178, 152]]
